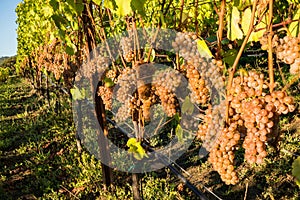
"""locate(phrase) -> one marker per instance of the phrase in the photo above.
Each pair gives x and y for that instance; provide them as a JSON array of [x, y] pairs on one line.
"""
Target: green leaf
[[242, 4], [230, 56], [54, 4], [152, 54], [296, 170], [187, 106], [124, 7], [136, 149], [233, 30], [77, 6], [179, 133], [59, 21], [203, 48], [108, 82], [177, 118], [110, 4], [70, 50], [138, 5], [77, 94], [294, 27]]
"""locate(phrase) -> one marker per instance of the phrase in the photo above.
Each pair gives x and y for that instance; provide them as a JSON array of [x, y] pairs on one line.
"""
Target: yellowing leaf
[[110, 4], [203, 48], [294, 27], [233, 30], [97, 2], [124, 7], [136, 149], [77, 94], [255, 36], [246, 18], [179, 133]]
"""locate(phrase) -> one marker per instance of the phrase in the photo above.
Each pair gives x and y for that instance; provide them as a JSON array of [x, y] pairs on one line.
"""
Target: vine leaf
[[136, 149], [229, 56], [187, 106], [120, 7], [242, 4], [234, 31], [110, 4], [69, 50], [203, 48], [138, 5], [108, 82], [124, 7], [77, 94], [97, 2], [255, 36], [246, 20], [77, 6], [179, 133], [54, 4], [296, 170], [294, 27]]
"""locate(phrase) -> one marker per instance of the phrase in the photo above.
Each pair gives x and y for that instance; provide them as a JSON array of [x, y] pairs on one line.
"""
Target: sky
[[8, 35]]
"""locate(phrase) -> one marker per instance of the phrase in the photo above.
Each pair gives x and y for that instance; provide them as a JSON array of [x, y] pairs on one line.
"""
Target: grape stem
[[196, 20], [270, 52], [181, 12], [221, 14], [233, 69], [288, 21]]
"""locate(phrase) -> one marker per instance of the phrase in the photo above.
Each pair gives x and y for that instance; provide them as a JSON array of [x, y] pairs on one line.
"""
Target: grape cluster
[[141, 105], [127, 46], [209, 69], [287, 50], [125, 91], [165, 83], [200, 94], [252, 117], [134, 94], [106, 94], [186, 45], [206, 121], [222, 154], [258, 120], [112, 74], [148, 98], [264, 41]]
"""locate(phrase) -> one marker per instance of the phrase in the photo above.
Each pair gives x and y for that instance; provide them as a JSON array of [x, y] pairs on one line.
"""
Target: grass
[[39, 159]]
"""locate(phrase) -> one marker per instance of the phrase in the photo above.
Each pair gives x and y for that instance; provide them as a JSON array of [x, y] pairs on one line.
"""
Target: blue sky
[[8, 35]]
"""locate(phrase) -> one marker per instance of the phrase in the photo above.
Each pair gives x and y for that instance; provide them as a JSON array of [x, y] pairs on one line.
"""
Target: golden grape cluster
[[165, 83], [106, 94], [287, 50], [200, 93], [252, 117]]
